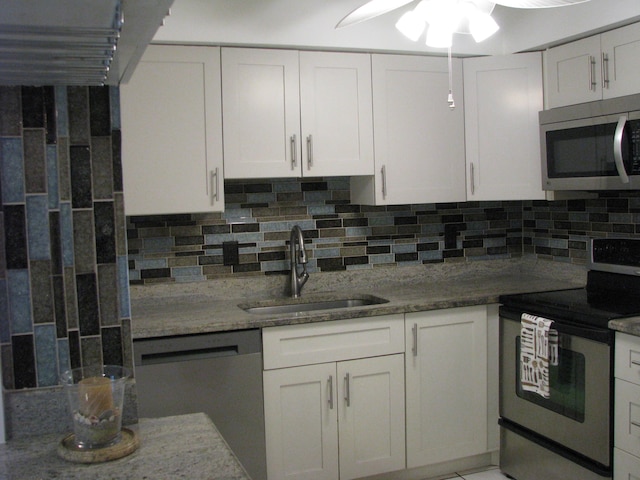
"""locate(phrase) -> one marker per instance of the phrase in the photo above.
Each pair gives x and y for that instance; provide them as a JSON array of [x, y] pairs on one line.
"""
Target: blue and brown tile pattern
[[344, 236], [63, 242], [340, 235]]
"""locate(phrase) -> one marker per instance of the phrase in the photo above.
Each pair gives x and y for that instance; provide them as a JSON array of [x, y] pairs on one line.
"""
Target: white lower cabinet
[[301, 427], [357, 398], [626, 466], [335, 420], [358, 405], [627, 408], [446, 385]]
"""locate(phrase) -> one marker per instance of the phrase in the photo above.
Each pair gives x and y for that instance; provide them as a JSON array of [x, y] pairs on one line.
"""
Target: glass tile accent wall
[[560, 230], [343, 236], [340, 236], [63, 266]]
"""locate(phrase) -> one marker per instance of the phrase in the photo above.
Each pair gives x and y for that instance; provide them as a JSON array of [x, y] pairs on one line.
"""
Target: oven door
[[577, 413]]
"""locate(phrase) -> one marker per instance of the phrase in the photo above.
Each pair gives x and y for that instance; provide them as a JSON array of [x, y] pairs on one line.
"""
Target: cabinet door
[[627, 467], [621, 61], [503, 95], [336, 114], [261, 109], [573, 73], [419, 140], [627, 416], [301, 424], [446, 392], [371, 418], [172, 132]]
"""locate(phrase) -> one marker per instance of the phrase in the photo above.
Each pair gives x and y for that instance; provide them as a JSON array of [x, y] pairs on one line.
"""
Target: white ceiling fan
[[445, 17]]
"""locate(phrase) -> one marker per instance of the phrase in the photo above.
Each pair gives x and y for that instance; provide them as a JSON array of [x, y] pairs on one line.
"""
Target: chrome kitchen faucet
[[297, 256]]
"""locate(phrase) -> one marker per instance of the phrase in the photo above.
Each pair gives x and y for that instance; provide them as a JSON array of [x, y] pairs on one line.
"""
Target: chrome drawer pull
[[414, 331], [309, 152], [294, 155], [330, 385], [592, 73], [605, 70], [347, 393]]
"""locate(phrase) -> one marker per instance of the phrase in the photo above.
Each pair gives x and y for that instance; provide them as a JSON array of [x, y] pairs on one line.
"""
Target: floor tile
[[493, 474]]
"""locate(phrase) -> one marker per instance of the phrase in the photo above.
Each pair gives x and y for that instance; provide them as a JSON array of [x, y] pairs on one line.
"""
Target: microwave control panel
[[634, 131]]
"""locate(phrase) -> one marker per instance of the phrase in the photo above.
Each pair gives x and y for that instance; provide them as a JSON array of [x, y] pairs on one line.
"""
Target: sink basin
[[311, 304]]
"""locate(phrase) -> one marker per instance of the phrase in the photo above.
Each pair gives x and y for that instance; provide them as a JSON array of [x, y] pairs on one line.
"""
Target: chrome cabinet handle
[[635, 424], [414, 332], [309, 152], [347, 393], [635, 362], [592, 73], [617, 149], [214, 186], [330, 386], [605, 70], [383, 173], [472, 173], [294, 155]]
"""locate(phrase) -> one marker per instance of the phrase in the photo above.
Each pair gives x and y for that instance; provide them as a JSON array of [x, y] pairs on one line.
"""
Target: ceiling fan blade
[[537, 3], [369, 10]]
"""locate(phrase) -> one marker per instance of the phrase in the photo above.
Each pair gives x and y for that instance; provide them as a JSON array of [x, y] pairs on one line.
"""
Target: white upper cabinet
[[336, 114], [597, 67], [291, 114], [503, 95], [419, 140], [261, 112], [172, 132]]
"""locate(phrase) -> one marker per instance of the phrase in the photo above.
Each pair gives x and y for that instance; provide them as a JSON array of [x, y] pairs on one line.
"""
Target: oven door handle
[[602, 335], [617, 149]]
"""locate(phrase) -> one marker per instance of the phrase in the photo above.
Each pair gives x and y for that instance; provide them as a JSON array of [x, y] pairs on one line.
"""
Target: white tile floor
[[490, 474]]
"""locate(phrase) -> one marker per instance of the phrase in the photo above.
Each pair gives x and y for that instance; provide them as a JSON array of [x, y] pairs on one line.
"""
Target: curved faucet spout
[[297, 255]]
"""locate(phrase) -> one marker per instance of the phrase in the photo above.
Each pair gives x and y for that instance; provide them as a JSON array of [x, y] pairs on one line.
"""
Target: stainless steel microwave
[[592, 146]]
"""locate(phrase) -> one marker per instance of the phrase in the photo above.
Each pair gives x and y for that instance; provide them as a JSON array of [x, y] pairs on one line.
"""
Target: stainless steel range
[[556, 369]]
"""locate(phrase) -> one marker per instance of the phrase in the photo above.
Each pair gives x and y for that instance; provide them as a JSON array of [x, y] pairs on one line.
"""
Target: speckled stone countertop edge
[[626, 325], [171, 448], [215, 306]]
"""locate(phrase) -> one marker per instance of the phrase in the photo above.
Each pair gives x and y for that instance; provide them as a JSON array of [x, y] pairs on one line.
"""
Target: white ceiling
[[310, 24]]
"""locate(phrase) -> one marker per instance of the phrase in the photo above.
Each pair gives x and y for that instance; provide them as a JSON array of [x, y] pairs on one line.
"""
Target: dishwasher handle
[[196, 347]]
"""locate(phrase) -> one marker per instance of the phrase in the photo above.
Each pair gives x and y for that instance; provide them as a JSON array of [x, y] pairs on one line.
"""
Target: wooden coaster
[[68, 450]]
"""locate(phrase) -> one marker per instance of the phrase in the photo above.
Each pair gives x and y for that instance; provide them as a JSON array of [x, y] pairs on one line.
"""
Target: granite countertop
[[181, 309], [627, 325], [185, 446]]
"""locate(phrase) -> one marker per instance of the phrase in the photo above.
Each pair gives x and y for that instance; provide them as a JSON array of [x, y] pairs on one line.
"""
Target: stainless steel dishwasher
[[219, 374]]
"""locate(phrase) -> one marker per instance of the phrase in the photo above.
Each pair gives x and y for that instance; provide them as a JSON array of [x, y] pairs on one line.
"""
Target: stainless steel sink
[[311, 304]]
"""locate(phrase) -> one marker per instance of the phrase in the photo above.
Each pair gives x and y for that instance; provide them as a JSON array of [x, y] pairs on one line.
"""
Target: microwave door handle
[[617, 149]]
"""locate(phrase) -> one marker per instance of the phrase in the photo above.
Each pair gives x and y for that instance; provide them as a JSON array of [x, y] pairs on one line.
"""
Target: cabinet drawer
[[627, 362], [627, 417], [627, 467], [305, 344]]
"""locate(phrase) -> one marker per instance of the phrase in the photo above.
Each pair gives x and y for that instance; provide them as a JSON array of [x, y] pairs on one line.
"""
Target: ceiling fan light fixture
[[439, 36], [446, 13], [482, 26], [411, 25]]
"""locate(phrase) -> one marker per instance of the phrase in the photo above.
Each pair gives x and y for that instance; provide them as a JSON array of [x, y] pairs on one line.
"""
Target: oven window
[[566, 385]]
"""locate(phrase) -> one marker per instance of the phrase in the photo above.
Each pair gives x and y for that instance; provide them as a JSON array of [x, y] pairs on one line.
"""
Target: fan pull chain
[[452, 104]]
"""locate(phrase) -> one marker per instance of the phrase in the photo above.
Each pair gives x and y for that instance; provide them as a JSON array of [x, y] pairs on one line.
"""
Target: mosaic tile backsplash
[[63, 270], [343, 236]]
